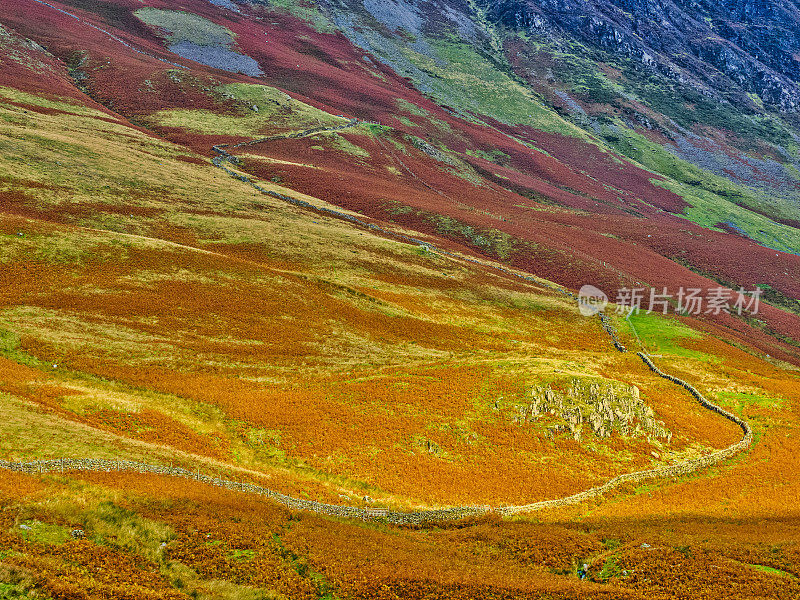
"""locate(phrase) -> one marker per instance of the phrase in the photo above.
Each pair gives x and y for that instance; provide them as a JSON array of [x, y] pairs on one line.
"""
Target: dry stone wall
[[65, 465], [421, 517], [414, 517], [669, 471], [458, 513]]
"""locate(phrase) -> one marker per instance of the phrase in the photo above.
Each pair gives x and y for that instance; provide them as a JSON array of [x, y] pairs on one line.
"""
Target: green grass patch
[[611, 543], [9, 341], [741, 400], [772, 571], [497, 243], [341, 143], [241, 555], [305, 11], [276, 112], [11, 591], [406, 121], [610, 569], [663, 335], [496, 156], [412, 109], [712, 199], [113, 525], [43, 533], [66, 104], [688, 107], [479, 83], [709, 209], [184, 26]]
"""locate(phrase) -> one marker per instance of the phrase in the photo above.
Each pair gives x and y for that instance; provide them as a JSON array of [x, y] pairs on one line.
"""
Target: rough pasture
[[601, 242], [229, 320], [595, 179], [210, 534], [151, 307]]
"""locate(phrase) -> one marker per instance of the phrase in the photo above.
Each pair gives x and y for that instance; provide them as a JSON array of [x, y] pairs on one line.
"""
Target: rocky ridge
[[729, 49]]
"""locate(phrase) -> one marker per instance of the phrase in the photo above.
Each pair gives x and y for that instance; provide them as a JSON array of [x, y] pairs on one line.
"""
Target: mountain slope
[[328, 248]]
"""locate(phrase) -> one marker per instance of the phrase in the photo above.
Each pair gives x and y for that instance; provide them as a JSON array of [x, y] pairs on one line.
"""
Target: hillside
[[332, 250]]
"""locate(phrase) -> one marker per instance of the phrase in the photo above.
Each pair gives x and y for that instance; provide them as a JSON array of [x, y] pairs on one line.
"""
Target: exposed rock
[[727, 48], [602, 407], [430, 150]]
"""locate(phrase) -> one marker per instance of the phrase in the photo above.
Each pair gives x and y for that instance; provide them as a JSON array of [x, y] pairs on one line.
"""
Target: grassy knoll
[[262, 110]]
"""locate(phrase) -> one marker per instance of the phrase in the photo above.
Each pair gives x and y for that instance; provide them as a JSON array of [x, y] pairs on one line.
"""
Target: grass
[[44, 533], [406, 121], [663, 335], [405, 345], [331, 350], [494, 242], [407, 107], [609, 570], [9, 341], [113, 532], [277, 113], [10, 591], [472, 82], [185, 26], [772, 571], [689, 107], [113, 525], [577, 66], [712, 199], [72, 107], [709, 210], [341, 143], [241, 555], [305, 11], [219, 589], [740, 400]]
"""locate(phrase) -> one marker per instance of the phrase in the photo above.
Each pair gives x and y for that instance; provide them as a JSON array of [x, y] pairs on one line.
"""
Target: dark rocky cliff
[[727, 48]]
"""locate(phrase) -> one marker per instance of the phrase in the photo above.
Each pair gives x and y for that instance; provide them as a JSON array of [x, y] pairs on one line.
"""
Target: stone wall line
[[420, 517], [67, 465], [111, 35], [665, 472], [676, 470]]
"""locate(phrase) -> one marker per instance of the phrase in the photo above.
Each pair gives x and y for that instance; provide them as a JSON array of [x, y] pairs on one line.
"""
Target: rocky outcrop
[[675, 470], [727, 48], [591, 407]]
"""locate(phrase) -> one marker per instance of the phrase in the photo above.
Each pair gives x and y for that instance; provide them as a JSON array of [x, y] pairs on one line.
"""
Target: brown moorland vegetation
[[154, 308]]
